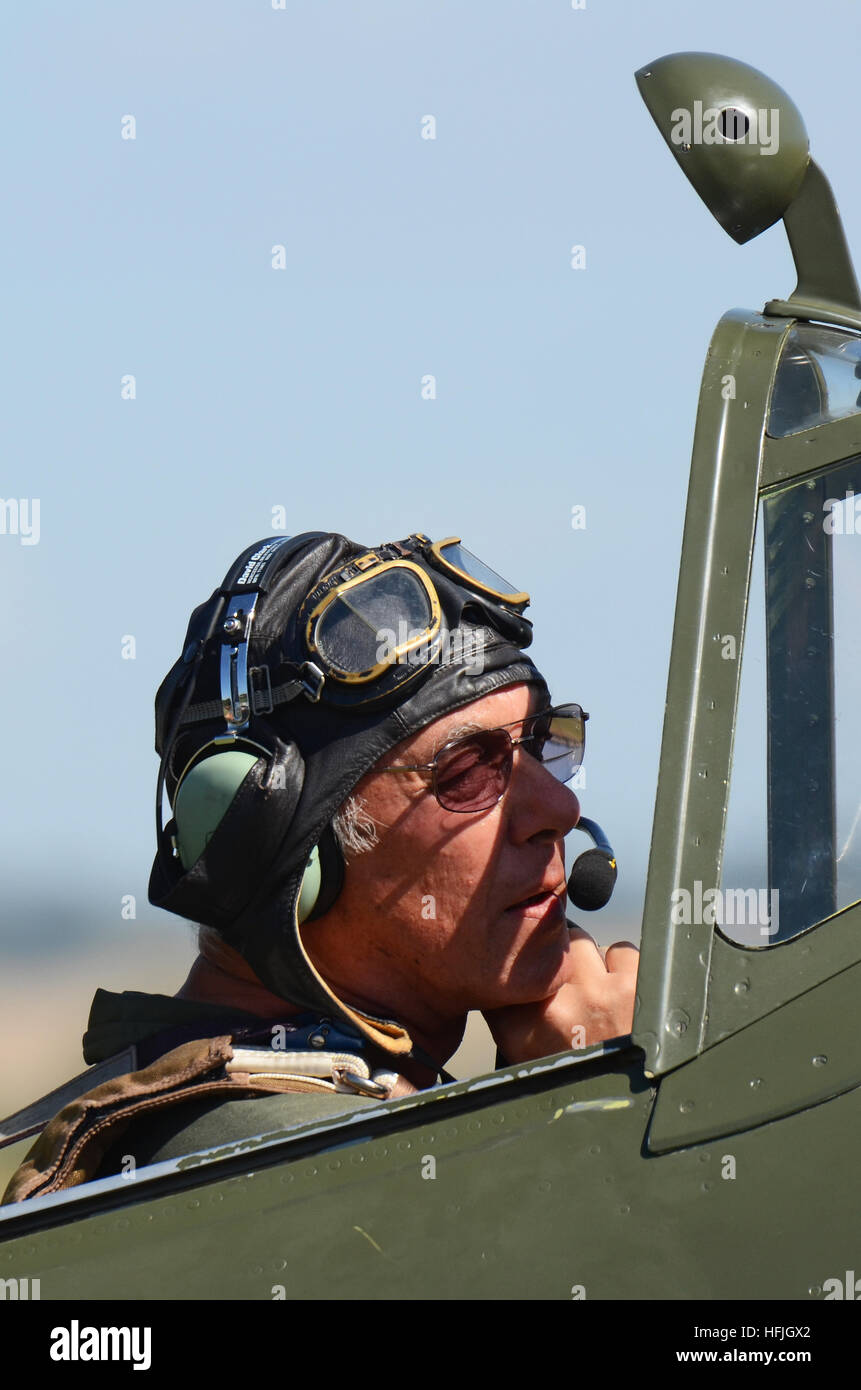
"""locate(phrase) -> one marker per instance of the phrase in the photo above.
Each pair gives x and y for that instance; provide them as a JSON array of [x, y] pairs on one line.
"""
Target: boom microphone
[[593, 874]]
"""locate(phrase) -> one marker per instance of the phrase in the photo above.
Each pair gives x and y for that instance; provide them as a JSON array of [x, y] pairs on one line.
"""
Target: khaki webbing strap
[[36, 1115], [71, 1148]]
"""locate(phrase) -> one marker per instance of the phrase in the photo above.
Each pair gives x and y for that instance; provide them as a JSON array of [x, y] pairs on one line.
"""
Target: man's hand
[[596, 1003]]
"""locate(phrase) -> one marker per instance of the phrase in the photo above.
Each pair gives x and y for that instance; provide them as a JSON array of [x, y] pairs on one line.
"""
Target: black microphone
[[593, 875]]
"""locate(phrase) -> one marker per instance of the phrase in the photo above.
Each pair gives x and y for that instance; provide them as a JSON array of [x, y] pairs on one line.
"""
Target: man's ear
[[323, 878]]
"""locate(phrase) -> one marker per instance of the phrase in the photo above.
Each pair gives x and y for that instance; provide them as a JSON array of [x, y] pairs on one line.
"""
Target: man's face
[[436, 909]]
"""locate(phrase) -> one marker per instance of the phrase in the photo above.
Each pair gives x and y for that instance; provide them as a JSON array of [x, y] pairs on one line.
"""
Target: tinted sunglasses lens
[[473, 773], [564, 741]]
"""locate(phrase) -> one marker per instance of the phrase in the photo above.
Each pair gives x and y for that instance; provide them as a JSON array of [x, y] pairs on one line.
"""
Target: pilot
[[367, 777]]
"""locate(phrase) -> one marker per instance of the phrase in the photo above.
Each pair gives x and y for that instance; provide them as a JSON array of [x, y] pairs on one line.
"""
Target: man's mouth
[[538, 904]]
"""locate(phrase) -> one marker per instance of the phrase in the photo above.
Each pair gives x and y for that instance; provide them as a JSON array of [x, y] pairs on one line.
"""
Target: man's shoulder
[[155, 1021], [129, 1018], [125, 1032], [196, 1082], [220, 1124]]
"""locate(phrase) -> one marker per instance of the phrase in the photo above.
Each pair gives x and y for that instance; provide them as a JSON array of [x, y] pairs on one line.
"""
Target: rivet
[[677, 1023]]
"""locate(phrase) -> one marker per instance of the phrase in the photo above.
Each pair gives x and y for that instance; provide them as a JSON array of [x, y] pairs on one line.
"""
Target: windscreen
[[792, 853]]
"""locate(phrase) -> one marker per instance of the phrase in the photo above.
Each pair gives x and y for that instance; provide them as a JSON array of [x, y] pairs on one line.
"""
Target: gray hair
[[354, 827]]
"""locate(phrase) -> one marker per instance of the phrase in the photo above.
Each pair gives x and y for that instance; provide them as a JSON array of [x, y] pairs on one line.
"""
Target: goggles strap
[[263, 695], [185, 687]]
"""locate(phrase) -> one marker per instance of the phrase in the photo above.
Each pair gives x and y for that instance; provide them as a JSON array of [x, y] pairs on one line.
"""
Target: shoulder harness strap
[[71, 1147]]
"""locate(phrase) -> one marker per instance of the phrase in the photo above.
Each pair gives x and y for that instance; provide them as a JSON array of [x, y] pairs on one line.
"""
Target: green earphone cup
[[239, 841], [203, 798], [310, 890]]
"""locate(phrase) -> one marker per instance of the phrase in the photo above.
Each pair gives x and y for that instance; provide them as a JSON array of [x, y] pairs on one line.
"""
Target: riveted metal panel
[[548, 1195], [747, 984], [702, 690], [803, 1053]]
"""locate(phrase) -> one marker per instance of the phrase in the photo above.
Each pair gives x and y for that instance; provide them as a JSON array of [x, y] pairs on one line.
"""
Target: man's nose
[[541, 798]]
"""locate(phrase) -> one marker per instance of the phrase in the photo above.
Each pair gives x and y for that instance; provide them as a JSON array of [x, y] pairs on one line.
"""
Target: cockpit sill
[[301, 1141]]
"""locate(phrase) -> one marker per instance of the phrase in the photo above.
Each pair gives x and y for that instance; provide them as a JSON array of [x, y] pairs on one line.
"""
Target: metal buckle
[[312, 679], [362, 1084], [261, 699], [235, 632]]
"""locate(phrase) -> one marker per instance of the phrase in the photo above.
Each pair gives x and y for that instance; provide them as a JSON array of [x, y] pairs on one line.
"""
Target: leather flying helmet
[[313, 658]]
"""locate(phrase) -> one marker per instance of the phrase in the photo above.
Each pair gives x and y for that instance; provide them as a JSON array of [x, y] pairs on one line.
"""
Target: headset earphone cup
[[203, 797], [309, 890], [331, 862], [241, 848]]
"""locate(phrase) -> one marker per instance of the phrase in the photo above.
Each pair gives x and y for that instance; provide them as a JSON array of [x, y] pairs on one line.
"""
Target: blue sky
[[258, 388]]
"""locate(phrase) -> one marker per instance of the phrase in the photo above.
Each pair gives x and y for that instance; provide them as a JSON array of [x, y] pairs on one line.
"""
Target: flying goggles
[[385, 610]]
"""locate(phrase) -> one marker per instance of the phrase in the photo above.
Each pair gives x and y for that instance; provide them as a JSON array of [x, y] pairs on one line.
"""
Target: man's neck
[[211, 983], [221, 976]]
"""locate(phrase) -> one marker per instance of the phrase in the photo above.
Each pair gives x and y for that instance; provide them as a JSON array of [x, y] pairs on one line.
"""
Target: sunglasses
[[472, 772]]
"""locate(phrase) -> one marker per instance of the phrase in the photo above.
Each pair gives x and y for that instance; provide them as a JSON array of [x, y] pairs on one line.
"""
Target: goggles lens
[[473, 773], [356, 632], [460, 558], [455, 557]]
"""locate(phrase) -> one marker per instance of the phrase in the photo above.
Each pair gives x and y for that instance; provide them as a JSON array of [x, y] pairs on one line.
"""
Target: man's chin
[[538, 970]]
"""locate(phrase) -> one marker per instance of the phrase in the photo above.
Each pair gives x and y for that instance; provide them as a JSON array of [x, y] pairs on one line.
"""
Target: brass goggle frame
[[517, 599], [371, 568]]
